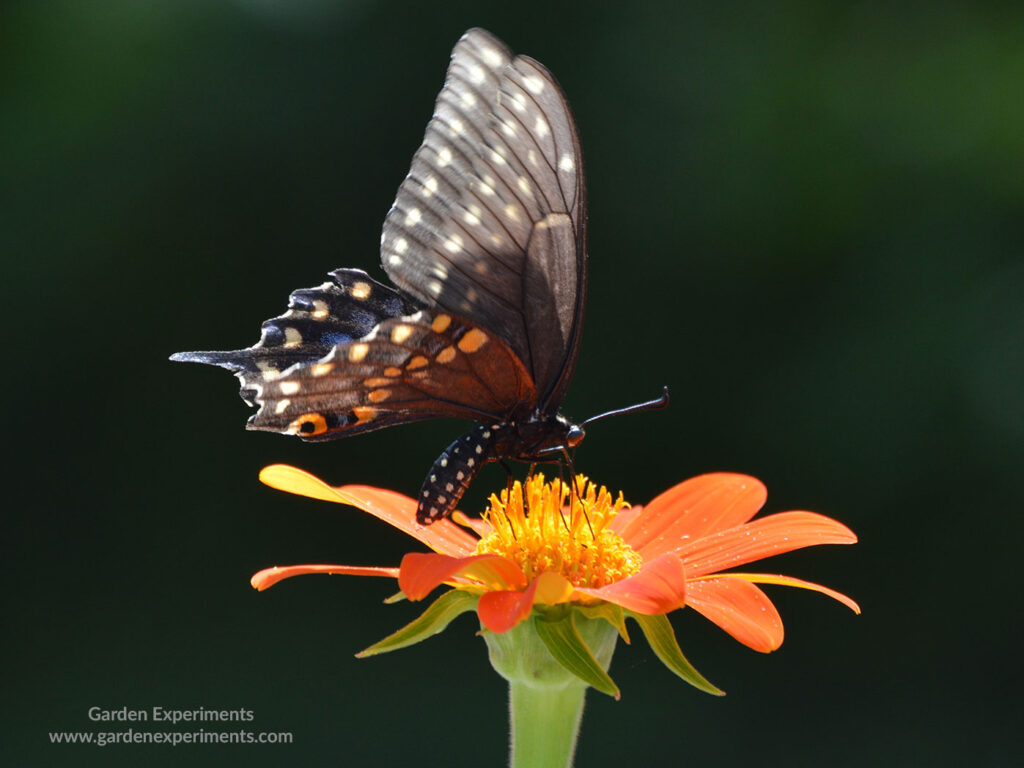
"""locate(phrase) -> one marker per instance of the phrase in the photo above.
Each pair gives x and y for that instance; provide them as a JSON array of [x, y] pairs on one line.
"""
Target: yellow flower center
[[550, 535]]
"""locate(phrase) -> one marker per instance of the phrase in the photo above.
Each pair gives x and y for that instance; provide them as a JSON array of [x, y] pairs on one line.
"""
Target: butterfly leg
[[575, 489], [529, 476], [508, 490], [508, 483]]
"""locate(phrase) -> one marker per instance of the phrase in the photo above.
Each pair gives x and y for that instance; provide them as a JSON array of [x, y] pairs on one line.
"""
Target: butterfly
[[486, 244]]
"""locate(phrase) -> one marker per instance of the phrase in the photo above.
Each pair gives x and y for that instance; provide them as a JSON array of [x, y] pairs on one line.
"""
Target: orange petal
[[501, 610], [692, 509], [421, 572], [268, 577], [789, 581], [772, 535], [740, 608], [391, 507], [658, 587], [481, 528]]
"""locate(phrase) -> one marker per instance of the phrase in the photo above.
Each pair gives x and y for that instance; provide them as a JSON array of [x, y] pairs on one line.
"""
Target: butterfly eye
[[574, 436]]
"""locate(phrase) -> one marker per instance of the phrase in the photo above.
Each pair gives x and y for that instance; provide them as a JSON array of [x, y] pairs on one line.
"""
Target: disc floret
[[561, 530]]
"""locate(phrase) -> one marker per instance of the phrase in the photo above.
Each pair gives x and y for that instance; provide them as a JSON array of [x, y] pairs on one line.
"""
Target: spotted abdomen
[[454, 470]]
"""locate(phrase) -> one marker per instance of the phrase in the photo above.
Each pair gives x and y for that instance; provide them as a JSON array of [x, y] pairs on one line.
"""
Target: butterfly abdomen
[[455, 469]]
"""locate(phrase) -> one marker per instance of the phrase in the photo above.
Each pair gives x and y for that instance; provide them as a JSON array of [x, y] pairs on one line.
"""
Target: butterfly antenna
[[651, 405]]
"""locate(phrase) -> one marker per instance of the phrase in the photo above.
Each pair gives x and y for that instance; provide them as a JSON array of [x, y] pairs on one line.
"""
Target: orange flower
[[593, 551]]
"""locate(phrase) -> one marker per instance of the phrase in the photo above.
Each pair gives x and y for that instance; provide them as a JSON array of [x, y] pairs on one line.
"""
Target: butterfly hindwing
[[420, 366], [316, 321], [490, 222]]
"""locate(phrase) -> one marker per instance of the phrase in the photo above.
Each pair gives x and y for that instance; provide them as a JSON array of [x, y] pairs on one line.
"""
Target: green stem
[[545, 699], [545, 724]]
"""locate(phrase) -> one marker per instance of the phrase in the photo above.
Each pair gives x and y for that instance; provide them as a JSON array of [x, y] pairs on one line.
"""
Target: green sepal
[[563, 641], [432, 621], [395, 598], [610, 612], [658, 631]]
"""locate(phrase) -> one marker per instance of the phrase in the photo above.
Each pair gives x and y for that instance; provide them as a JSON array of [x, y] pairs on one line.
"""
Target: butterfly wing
[[490, 223], [354, 356]]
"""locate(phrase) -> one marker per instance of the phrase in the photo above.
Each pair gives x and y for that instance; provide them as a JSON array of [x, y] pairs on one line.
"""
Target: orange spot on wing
[[364, 413], [308, 424], [473, 340]]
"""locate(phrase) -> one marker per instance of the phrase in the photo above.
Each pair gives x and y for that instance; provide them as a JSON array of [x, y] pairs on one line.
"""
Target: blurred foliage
[[807, 219]]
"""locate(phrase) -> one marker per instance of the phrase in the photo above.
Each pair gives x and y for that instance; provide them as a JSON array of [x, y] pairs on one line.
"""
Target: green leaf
[[563, 641], [610, 612], [662, 638], [432, 621]]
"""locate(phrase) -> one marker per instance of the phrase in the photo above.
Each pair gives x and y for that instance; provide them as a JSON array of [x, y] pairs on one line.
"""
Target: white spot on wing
[[320, 309], [541, 127], [477, 74], [292, 337], [413, 217], [444, 157], [289, 387], [492, 57], [565, 163], [453, 245], [533, 84], [430, 186]]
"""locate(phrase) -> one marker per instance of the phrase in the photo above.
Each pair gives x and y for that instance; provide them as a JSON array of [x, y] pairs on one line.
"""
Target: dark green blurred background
[[806, 219]]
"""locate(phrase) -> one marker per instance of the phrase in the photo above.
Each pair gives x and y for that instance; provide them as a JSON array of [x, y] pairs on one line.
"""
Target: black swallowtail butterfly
[[486, 242]]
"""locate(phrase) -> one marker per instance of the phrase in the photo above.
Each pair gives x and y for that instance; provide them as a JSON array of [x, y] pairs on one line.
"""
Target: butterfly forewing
[[490, 222]]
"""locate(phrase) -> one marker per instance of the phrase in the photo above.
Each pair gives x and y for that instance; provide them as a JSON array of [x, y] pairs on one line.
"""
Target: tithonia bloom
[[586, 550]]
